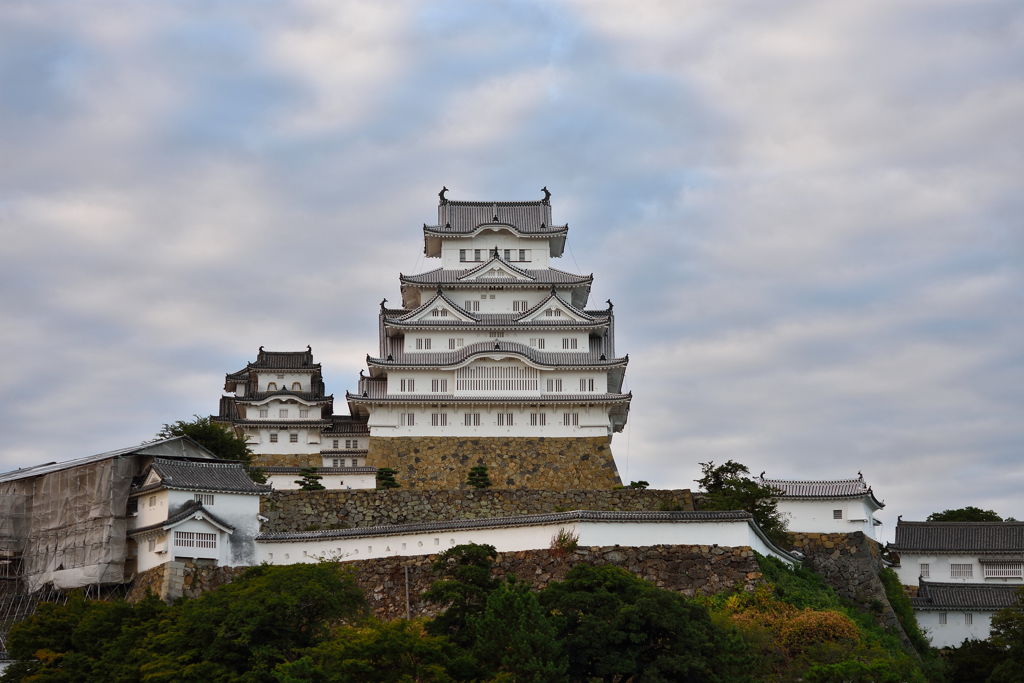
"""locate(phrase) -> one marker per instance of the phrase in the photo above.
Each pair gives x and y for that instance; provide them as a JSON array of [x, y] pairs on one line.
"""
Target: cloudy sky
[[808, 215]]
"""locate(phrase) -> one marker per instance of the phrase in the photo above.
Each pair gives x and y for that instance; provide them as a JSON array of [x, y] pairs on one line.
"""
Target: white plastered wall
[[939, 570], [955, 630], [288, 482], [593, 420], [817, 516], [539, 250]]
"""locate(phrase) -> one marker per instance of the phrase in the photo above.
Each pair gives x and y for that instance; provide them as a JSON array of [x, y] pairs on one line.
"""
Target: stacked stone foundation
[[289, 460], [316, 510], [431, 462]]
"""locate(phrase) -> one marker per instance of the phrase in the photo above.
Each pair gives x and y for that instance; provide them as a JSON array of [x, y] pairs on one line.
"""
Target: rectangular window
[[293, 438], [451, 344], [1003, 570], [508, 254], [460, 342], [586, 385], [496, 335], [408, 385], [152, 544], [538, 419], [533, 342], [408, 419], [273, 438], [569, 343], [472, 419], [206, 540], [283, 412], [303, 413], [540, 343], [439, 385], [554, 385], [533, 419], [472, 305], [571, 419], [334, 463], [203, 498], [462, 254], [925, 570], [942, 618], [426, 344], [504, 419], [522, 254], [354, 462], [476, 254], [492, 296], [264, 412], [185, 539], [336, 443], [968, 618], [419, 344], [837, 514], [961, 571], [439, 419]]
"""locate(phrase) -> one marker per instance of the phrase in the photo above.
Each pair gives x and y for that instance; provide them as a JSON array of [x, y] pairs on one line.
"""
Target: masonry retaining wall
[[314, 510], [443, 462]]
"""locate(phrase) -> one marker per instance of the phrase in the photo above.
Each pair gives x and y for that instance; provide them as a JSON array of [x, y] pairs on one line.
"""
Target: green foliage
[[638, 485], [310, 480], [727, 487], [904, 609], [1008, 634], [854, 671], [619, 627], [386, 478], [564, 542], [965, 514], [669, 505], [219, 439], [396, 652], [464, 584], [973, 661], [478, 478], [514, 635]]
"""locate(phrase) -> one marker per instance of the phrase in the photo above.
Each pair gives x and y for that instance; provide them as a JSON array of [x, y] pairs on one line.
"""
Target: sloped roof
[[540, 276], [284, 360], [822, 488], [187, 511], [962, 537], [446, 358], [432, 301], [347, 425], [187, 446], [454, 217], [965, 596], [221, 476]]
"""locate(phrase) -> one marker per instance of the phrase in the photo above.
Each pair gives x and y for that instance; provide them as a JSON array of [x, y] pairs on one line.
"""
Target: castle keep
[[494, 358]]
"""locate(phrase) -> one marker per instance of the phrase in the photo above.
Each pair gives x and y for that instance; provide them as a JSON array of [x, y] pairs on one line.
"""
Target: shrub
[[564, 542], [810, 627]]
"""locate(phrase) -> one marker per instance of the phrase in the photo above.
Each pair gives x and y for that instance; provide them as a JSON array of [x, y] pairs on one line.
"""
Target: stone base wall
[[690, 569], [176, 579], [334, 509], [289, 460], [851, 564], [432, 462]]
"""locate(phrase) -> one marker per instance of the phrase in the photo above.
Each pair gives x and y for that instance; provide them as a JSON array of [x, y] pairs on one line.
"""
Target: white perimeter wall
[[511, 539], [593, 420], [954, 631], [816, 516], [286, 482]]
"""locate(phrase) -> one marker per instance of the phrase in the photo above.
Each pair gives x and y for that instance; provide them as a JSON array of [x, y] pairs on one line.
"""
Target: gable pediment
[[439, 310], [555, 310], [153, 478], [496, 269]]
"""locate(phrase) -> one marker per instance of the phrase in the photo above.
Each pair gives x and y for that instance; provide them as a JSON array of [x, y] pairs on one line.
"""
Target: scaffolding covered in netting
[[63, 527]]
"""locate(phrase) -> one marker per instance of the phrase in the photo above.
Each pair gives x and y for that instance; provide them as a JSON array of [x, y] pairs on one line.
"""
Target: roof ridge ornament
[[382, 302], [444, 200], [547, 196]]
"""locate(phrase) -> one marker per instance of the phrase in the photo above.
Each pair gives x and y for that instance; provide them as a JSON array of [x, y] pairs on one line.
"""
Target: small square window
[[264, 412], [335, 443], [355, 462], [837, 514], [303, 413], [293, 438], [283, 412], [334, 462]]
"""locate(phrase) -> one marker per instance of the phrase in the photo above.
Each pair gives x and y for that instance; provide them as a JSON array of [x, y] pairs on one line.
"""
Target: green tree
[[728, 487], [243, 630], [514, 635], [386, 478], [1007, 634], [395, 652], [310, 480], [619, 627], [465, 583], [973, 661], [965, 514], [219, 439], [639, 485], [478, 478]]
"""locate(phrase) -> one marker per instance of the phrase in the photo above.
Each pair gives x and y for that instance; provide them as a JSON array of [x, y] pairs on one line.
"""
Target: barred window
[[942, 618], [355, 462], [282, 412], [419, 344], [273, 438], [185, 539], [476, 254], [303, 413], [204, 498], [439, 385], [837, 514], [493, 334], [571, 419], [538, 419], [508, 254], [925, 571], [1004, 570], [521, 306], [961, 571], [264, 412], [968, 618], [451, 344], [336, 443], [569, 343], [462, 254], [408, 419], [472, 419], [439, 419], [472, 306], [554, 385], [585, 383], [334, 463], [293, 438], [540, 343], [504, 419]]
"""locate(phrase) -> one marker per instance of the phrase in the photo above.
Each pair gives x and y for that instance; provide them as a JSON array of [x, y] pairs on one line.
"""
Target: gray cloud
[[807, 215]]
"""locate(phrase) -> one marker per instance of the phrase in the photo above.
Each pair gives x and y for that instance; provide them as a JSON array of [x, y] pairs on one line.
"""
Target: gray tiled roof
[[284, 360], [520, 520], [377, 393], [454, 217], [347, 425], [962, 537], [821, 488], [965, 596], [227, 477], [561, 359], [310, 396], [284, 423], [187, 510], [344, 453], [539, 277]]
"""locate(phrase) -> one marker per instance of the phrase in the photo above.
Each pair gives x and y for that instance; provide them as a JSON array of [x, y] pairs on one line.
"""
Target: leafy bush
[[564, 542], [904, 609], [811, 627]]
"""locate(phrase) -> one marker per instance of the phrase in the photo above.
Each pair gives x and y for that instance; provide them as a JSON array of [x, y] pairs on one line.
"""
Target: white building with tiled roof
[[827, 505], [495, 342]]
